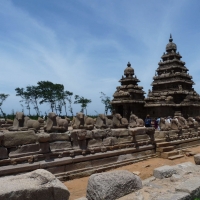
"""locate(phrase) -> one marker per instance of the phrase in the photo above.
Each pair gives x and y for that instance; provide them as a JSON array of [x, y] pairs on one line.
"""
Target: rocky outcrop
[[112, 185], [39, 184], [178, 182]]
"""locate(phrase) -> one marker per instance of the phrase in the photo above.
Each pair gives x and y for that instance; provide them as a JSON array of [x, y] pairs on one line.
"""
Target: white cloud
[[85, 46]]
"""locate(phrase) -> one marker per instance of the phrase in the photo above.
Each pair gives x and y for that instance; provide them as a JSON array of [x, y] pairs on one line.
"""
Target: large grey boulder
[[39, 184], [165, 171], [197, 159], [112, 185]]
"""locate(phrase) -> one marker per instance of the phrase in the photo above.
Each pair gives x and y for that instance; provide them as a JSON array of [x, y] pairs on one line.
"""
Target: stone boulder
[[112, 185], [39, 184], [197, 159]]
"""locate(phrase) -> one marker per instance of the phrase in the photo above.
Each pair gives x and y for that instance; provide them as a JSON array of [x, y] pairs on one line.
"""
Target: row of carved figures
[[179, 123], [55, 123]]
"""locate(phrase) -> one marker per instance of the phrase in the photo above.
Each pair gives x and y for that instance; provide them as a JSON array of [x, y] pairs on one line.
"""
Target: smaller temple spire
[[170, 39]]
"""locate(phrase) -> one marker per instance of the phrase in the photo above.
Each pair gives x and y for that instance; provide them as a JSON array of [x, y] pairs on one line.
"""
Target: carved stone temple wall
[[172, 87], [172, 90], [129, 97]]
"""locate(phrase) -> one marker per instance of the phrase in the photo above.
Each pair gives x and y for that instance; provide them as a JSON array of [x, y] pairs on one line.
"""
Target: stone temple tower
[[129, 97], [172, 87]]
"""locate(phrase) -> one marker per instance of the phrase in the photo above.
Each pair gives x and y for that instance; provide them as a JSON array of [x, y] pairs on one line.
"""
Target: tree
[[68, 97], [3, 97], [50, 93], [106, 101], [84, 102], [30, 95], [25, 97], [34, 95]]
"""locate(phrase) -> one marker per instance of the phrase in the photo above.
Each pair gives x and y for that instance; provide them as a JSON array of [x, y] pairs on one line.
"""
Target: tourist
[[148, 121], [158, 123], [168, 120]]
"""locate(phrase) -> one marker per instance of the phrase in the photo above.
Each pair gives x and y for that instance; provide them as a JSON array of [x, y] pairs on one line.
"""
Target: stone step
[[168, 154], [165, 149], [175, 157], [162, 144]]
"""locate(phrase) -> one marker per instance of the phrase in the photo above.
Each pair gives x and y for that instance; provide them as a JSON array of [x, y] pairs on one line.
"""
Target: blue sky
[[85, 45]]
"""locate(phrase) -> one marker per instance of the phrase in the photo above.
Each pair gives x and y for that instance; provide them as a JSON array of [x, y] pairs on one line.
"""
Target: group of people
[[148, 122]]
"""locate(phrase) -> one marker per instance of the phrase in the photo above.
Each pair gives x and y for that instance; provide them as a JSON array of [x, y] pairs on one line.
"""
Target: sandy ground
[[77, 187]]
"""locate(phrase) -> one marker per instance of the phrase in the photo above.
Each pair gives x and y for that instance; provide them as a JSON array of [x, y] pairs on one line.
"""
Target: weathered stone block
[[110, 141], [78, 134], [164, 172], [89, 135], [173, 196], [59, 136], [94, 143], [3, 153], [197, 159], [191, 186], [43, 137], [119, 132], [126, 139], [15, 138], [99, 133], [44, 147], [24, 149], [39, 184], [79, 144], [112, 185], [60, 145], [137, 131]]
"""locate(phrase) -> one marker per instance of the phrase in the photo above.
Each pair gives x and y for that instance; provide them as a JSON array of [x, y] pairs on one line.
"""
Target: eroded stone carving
[[134, 121], [164, 125], [119, 121], [182, 121], [31, 124], [83, 122], [103, 122], [18, 123], [55, 124]]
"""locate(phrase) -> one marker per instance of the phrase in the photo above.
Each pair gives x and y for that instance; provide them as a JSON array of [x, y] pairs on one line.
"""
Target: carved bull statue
[[82, 122], [103, 122], [119, 121], [55, 123], [134, 121], [31, 124], [18, 123]]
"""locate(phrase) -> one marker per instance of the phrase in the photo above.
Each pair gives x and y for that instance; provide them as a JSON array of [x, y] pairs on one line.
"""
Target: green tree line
[[53, 94]]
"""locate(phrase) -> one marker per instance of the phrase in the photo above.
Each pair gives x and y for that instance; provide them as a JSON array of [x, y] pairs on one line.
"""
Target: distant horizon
[[86, 45]]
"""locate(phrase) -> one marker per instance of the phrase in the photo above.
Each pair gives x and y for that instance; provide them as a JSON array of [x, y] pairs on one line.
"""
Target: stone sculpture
[[164, 126], [55, 124], [192, 123], [182, 121], [18, 123], [82, 122], [134, 121], [175, 125], [31, 124], [173, 78], [63, 123], [119, 121], [103, 122]]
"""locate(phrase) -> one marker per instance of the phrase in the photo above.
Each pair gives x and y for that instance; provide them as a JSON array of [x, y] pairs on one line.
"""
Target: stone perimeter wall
[[23, 151]]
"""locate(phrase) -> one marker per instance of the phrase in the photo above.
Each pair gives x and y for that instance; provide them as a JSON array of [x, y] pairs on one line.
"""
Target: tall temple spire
[[172, 87]]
